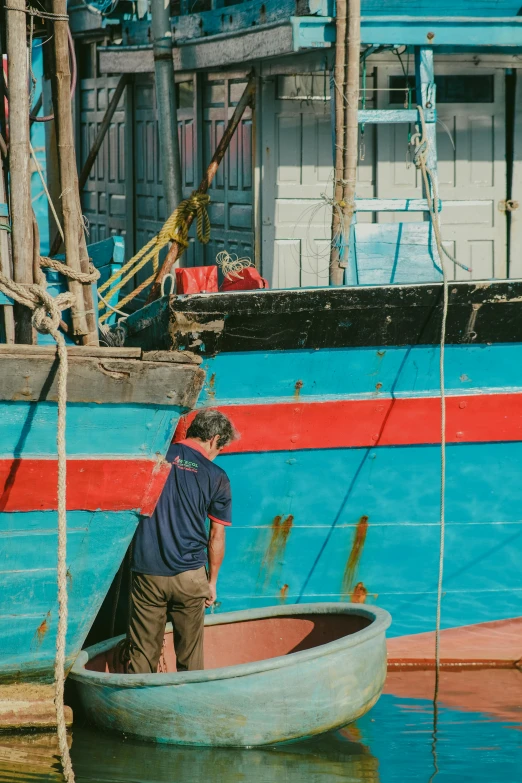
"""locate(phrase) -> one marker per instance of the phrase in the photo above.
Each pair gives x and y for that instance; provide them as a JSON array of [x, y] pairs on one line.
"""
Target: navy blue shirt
[[174, 539]]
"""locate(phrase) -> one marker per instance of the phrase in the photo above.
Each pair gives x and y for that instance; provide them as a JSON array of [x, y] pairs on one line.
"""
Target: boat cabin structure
[[271, 200]]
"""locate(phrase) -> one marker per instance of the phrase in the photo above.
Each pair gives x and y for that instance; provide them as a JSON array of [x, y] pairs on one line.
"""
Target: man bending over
[[170, 550]]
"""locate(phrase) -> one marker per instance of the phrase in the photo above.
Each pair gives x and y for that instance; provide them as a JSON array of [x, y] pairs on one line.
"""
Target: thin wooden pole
[[336, 271], [219, 154], [351, 116], [98, 141], [75, 246], [5, 263], [20, 177], [3, 124]]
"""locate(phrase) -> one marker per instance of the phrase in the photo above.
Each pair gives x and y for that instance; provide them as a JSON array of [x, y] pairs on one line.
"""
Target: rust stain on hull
[[359, 594], [281, 529], [42, 630], [283, 594], [211, 391], [297, 389], [355, 555]]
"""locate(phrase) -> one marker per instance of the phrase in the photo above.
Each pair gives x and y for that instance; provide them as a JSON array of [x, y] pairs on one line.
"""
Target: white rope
[[231, 265], [46, 319], [421, 152]]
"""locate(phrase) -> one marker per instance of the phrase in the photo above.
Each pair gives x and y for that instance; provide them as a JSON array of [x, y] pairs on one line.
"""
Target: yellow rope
[[175, 229]]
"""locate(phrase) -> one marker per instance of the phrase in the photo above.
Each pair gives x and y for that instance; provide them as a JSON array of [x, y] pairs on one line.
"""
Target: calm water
[[478, 738]]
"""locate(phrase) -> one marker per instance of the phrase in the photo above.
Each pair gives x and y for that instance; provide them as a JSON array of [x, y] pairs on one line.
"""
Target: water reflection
[[479, 738]]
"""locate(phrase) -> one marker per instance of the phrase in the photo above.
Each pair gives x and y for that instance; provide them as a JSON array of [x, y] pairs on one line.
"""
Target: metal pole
[[166, 103], [174, 251], [20, 177]]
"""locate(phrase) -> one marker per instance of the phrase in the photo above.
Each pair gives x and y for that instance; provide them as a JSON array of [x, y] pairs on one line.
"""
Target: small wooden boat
[[273, 674]]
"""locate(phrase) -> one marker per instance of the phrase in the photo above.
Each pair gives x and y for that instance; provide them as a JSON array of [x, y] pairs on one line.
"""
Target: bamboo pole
[[51, 148], [75, 245], [336, 271], [93, 152], [166, 103], [5, 263], [20, 177], [219, 154], [351, 119]]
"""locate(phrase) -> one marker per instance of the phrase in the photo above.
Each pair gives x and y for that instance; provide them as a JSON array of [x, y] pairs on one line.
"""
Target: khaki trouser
[[182, 599]]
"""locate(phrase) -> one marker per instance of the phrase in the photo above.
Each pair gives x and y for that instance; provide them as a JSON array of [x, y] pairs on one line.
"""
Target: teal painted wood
[[451, 8], [107, 256], [96, 544], [311, 32], [97, 432], [276, 700], [241, 16], [5, 300], [392, 205], [390, 253], [29, 429], [4, 210]]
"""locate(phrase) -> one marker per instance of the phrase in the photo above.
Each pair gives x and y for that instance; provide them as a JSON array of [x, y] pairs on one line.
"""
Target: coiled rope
[[231, 265], [175, 229], [421, 142], [47, 312]]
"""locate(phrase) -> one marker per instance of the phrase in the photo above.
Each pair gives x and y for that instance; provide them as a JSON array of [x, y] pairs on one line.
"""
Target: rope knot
[[48, 309]]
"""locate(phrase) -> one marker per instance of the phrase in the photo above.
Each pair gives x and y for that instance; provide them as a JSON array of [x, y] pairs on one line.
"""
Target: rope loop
[[82, 277], [30, 11], [175, 229]]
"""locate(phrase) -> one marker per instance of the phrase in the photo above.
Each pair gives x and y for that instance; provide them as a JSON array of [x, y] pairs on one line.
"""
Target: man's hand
[[216, 552], [212, 588]]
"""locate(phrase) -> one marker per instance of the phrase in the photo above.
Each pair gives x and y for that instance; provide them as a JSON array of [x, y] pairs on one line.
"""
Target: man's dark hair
[[209, 423]]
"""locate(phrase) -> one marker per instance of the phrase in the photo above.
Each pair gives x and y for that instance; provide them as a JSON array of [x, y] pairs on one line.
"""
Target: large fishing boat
[[336, 389], [333, 376], [83, 430]]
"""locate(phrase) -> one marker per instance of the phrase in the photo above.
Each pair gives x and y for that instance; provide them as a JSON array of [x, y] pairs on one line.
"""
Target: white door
[[297, 169], [471, 162]]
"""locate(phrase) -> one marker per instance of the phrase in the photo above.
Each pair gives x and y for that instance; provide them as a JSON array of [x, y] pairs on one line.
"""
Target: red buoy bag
[[197, 280], [248, 279]]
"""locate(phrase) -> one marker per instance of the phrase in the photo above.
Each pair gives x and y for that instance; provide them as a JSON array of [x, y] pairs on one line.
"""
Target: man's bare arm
[[216, 553]]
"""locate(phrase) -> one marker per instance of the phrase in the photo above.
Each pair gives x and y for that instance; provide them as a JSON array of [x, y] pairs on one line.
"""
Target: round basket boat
[[271, 675]]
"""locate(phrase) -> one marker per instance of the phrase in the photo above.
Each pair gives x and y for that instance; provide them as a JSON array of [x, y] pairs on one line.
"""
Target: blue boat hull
[[336, 478], [119, 425]]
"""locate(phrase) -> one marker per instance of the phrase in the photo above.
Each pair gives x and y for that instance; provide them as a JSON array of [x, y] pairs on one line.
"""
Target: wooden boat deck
[[495, 644]]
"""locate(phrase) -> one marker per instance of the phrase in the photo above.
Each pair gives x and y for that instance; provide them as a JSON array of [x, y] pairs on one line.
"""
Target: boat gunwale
[[380, 621]]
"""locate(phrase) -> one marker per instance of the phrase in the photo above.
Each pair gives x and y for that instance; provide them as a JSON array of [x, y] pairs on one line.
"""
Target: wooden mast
[[20, 177], [336, 271], [351, 121], [75, 245], [346, 102]]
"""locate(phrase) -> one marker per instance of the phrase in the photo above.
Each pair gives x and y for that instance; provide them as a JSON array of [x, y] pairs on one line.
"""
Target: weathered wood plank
[[33, 378], [28, 706], [270, 41], [330, 318], [182, 357], [73, 350]]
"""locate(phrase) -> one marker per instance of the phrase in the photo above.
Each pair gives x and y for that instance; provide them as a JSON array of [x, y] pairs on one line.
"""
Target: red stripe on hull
[[366, 423], [109, 485]]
